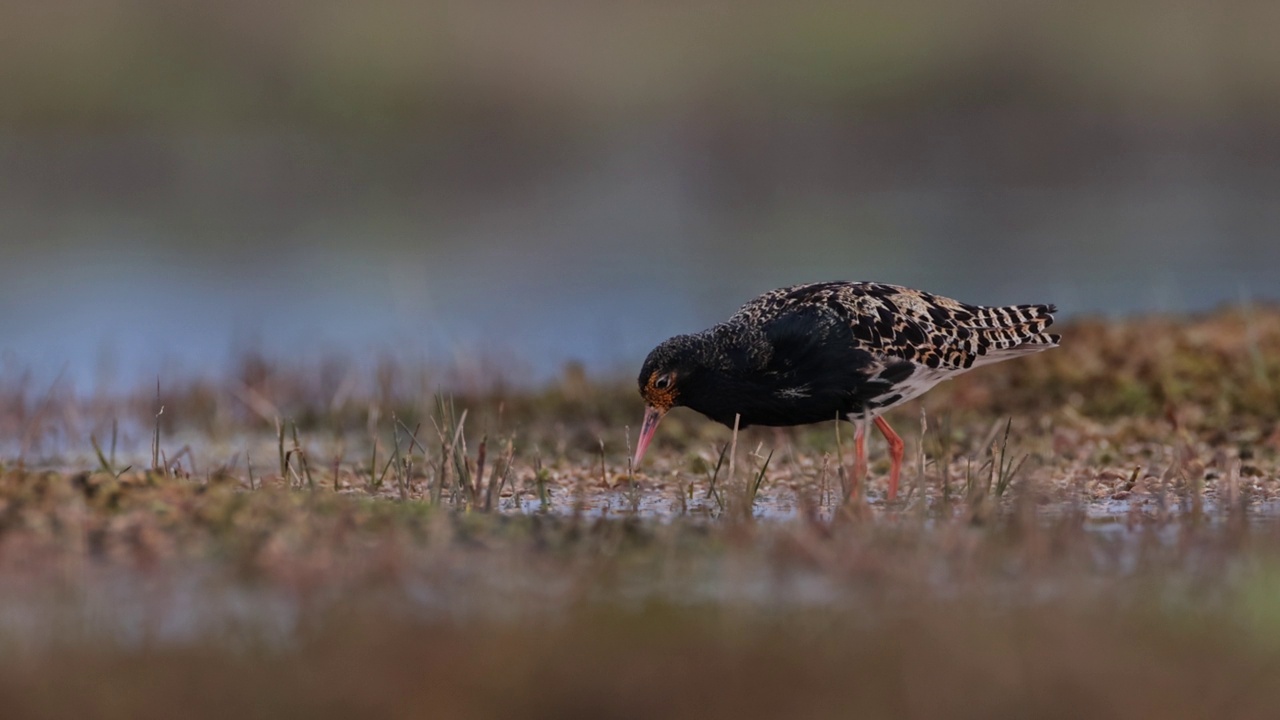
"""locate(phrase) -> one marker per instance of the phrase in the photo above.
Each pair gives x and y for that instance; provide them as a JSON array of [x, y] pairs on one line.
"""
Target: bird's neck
[[723, 358], [726, 348]]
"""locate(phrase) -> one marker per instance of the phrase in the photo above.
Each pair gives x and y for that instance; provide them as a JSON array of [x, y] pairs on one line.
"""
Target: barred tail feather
[[1014, 331]]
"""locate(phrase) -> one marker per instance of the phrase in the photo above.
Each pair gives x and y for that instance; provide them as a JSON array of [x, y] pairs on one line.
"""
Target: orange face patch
[[662, 398]]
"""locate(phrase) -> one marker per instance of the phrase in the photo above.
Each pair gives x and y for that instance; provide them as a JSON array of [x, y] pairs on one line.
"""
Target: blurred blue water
[[596, 260]]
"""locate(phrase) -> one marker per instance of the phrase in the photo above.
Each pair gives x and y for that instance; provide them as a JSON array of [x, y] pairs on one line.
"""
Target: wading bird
[[831, 351]]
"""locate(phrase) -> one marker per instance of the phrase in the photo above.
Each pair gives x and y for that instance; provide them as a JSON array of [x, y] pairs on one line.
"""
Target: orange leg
[[896, 450]]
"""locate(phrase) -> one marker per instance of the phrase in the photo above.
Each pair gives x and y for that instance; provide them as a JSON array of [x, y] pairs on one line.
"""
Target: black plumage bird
[[833, 350]]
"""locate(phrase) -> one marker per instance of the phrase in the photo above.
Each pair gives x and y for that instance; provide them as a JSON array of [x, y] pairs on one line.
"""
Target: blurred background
[[531, 184]]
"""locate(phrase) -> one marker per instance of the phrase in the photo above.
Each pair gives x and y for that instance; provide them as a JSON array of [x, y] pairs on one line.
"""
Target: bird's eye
[[663, 382]]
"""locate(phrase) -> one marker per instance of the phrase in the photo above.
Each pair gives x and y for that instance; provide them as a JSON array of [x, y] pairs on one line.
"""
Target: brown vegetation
[[1090, 532]]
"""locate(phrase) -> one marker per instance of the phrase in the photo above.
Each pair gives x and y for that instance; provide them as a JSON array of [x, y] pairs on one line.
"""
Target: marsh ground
[[1092, 531]]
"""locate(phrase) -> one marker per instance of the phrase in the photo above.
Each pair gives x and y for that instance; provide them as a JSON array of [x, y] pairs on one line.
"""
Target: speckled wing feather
[[898, 323]]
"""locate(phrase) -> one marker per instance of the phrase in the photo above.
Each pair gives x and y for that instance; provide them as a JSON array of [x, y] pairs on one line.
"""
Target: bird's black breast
[[801, 366]]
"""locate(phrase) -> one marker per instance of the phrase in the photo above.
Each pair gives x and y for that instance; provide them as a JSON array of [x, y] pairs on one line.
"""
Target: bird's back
[[899, 323]]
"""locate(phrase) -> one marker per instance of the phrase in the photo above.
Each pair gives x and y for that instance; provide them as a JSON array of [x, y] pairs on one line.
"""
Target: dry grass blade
[[604, 473], [498, 476], [480, 460], [413, 434], [753, 488], [302, 458], [284, 460], [922, 481], [712, 491], [103, 463], [732, 479], [453, 443], [375, 482], [631, 471], [397, 460], [1005, 471], [155, 439], [458, 451], [541, 480]]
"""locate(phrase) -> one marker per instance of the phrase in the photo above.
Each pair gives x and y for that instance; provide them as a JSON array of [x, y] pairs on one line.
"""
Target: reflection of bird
[[834, 350]]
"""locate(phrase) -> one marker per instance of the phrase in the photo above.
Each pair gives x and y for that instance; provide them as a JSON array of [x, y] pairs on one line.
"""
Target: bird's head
[[667, 367]]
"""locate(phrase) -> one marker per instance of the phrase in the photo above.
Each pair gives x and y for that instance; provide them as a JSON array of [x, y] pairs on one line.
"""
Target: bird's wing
[[894, 324], [817, 366]]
